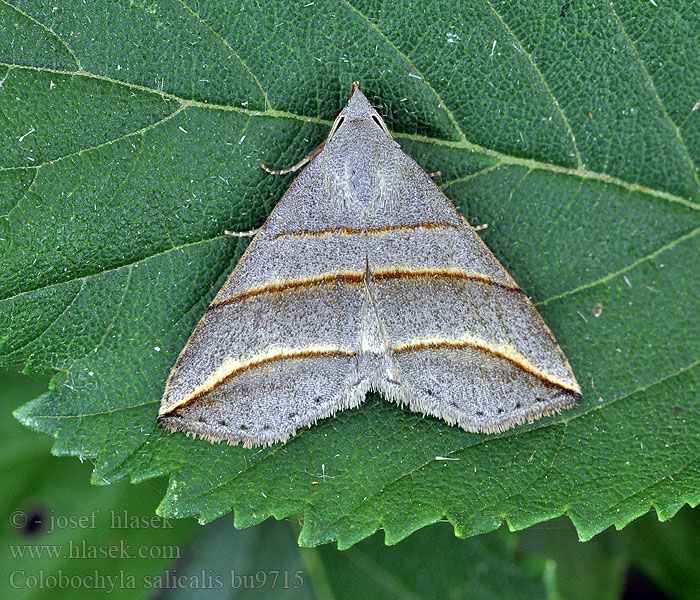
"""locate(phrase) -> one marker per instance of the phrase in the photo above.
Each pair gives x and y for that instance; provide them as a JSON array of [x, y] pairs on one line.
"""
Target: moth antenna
[[304, 161]]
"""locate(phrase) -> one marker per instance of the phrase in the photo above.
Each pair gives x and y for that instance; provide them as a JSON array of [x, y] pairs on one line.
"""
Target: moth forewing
[[364, 277]]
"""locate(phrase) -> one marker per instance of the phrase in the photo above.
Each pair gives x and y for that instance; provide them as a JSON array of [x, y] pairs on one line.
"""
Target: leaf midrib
[[184, 103], [503, 158]]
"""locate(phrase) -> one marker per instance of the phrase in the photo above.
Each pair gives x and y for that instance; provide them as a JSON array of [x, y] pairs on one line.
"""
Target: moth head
[[358, 108]]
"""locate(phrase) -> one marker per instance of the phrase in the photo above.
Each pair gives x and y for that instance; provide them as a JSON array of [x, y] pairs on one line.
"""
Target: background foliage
[[544, 561], [133, 139]]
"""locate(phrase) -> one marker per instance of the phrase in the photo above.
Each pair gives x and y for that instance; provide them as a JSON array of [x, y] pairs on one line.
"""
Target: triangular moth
[[364, 277]]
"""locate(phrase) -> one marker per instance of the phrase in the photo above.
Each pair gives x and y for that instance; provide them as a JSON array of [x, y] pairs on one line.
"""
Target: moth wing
[[468, 344], [276, 349]]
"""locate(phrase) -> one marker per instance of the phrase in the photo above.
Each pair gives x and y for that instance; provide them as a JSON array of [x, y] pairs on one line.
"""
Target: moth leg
[[307, 159], [250, 233]]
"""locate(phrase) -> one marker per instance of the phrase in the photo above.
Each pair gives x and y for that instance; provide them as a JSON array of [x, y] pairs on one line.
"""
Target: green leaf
[[260, 562], [177, 556], [133, 139], [667, 554], [268, 558], [433, 564]]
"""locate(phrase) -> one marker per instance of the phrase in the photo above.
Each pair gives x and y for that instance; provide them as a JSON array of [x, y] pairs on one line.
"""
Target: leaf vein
[[623, 270], [564, 422], [230, 49], [464, 144], [539, 74], [52, 322], [655, 92], [395, 48], [47, 29], [110, 142], [116, 268]]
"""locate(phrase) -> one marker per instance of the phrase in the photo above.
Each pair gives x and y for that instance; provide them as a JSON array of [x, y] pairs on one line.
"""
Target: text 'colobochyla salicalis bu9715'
[[364, 277]]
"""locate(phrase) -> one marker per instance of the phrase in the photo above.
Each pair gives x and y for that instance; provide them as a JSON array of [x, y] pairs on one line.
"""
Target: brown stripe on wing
[[356, 277], [350, 277], [255, 362], [427, 226], [444, 273], [504, 352]]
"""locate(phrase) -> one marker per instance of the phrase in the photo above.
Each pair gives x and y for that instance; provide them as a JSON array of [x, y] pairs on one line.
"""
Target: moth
[[364, 277]]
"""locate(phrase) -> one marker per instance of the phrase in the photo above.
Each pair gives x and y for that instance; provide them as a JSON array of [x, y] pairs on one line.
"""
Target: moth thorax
[[363, 178]]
